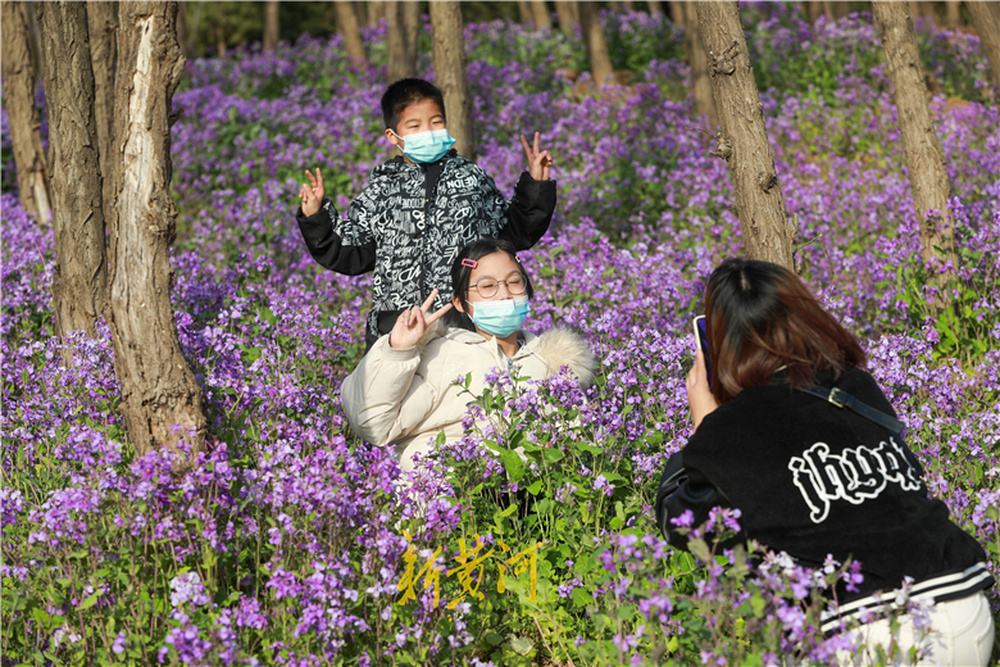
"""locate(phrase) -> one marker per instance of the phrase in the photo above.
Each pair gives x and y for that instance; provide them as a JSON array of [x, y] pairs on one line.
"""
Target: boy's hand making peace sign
[[312, 194], [539, 161]]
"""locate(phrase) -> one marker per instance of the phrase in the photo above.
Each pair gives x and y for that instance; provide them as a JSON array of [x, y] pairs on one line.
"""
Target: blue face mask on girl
[[500, 318], [424, 147]]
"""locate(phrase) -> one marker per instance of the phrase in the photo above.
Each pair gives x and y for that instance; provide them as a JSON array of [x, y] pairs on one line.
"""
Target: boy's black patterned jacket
[[409, 223]]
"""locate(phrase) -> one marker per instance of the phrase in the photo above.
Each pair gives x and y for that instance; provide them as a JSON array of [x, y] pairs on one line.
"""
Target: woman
[[811, 478], [404, 391]]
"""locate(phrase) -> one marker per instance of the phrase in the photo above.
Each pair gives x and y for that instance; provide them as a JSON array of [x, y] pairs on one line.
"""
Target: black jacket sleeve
[[328, 249], [681, 490], [530, 211]]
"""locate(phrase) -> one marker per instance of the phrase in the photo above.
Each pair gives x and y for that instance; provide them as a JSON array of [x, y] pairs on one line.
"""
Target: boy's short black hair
[[405, 92]]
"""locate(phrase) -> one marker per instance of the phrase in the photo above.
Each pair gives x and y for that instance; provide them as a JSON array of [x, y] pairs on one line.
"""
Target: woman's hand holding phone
[[700, 399]]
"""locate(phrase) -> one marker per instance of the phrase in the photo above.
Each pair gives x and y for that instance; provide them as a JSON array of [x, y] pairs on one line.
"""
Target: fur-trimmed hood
[[564, 347]]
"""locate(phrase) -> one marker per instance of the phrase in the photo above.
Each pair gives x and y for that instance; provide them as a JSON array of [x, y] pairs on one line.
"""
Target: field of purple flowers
[[289, 546]]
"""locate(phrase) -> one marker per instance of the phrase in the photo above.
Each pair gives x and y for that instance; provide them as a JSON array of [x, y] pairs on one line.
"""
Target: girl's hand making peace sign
[[412, 323]]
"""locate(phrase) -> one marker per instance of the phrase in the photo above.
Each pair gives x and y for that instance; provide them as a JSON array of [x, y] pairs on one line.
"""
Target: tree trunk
[[79, 282], [272, 24], [816, 9], [925, 158], [524, 11], [399, 65], [22, 117], [540, 14], [953, 13], [677, 13], [567, 16], [411, 31], [161, 401], [102, 26], [376, 12], [597, 47], [986, 21], [449, 66], [220, 41], [347, 22], [695, 49], [655, 9], [767, 232]]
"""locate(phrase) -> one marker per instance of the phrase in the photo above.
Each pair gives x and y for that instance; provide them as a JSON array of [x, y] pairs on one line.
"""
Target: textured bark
[[566, 11], [79, 282], [19, 98], [399, 65], [540, 14], [953, 14], [102, 26], [525, 13], [986, 21], [272, 24], [704, 104], [347, 23], [677, 13], [816, 9], [161, 401], [597, 46], [411, 31], [925, 158], [376, 12], [449, 66], [767, 232]]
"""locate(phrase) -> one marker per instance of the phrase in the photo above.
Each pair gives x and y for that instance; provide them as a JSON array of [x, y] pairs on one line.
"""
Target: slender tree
[[597, 46], [566, 12], [540, 14], [19, 98], [704, 104], [412, 26], [986, 21], [347, 23], [272, 24], [449, 67], [767, 232], [400, 65], [925, 158], [376, 12], [79, 282], [161, 401], [525, 13], [678, 14], [953, 14], [102, 26]]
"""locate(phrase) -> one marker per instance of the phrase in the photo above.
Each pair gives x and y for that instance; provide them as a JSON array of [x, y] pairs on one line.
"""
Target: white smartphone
[[701, 337]]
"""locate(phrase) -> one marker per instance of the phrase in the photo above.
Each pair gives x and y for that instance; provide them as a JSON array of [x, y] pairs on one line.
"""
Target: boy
[[419, 208]]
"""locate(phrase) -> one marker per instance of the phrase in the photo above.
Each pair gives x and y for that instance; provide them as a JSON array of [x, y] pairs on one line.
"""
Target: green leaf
[[553, 455], [535, 487], [41, 616], [581, 598], [512, 464], [90, 601]]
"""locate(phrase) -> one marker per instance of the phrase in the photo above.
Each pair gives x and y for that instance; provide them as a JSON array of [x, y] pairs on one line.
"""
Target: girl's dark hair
[[761, 318], [405, 92], [460, 275]]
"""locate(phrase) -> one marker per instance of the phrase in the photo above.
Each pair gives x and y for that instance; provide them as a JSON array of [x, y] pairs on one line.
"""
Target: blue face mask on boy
[[500, 318], [424, 147]]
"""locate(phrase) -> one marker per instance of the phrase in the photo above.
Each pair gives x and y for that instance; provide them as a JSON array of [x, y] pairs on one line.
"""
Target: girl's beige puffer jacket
[[406, 397]]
